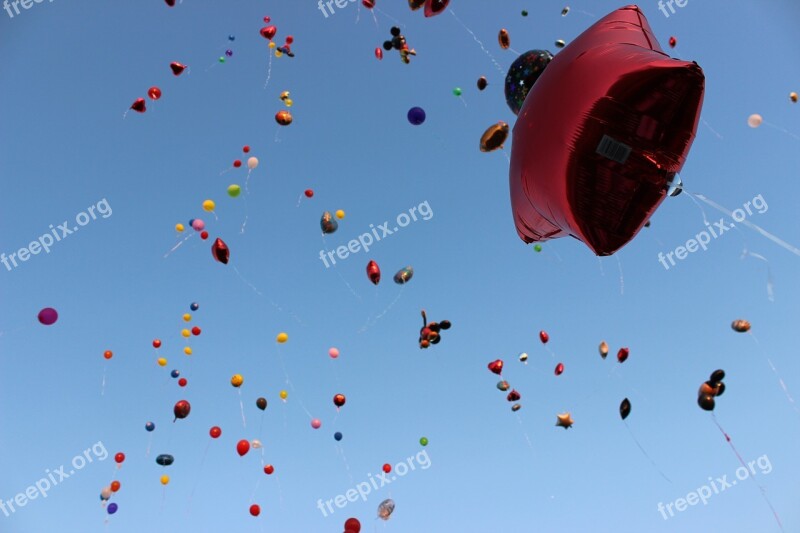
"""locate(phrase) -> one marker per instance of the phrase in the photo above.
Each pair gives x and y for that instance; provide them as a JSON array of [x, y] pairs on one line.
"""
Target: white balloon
[[754, 120], [252, 163]]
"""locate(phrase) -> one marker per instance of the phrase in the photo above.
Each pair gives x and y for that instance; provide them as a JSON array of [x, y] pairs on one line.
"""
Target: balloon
[[523, 357], [242, 447], [261, 403], [522, 74], [196, 331], [139, 106], [415, 4], [503, 385], [352, 525], [513, 396], [149, 426], [105, 494], [423, 441], [565, 11], [237, 163], [339, 400], [564, 420], [717, 375], [754, 120], [215, 432], [603, 349], [369, 4], [237, 380], [457, 91], [165, 460], [387, 468], [48, 316], [255, 510], [385, 509], [220, 251], [282, 337], [374, 272], [115, 485], [179, 227], [559, 369], [256, 444], [164, 479], [229, 53], [181, 409], [496, 366], [516, 407], [268, 32], [316, 423], [177, 68], [309, 193], [625, 408], [175, 373], [186, 333], [334, 353], [434, 7], [246, 148], [269, 469], [340, 214], [234, 190], [108, 354], [378, 53], [597, 166], [740, 326], [482, 83], [416, 116], [544, 337], [209, 205], [622, 354], [252, 163], [494, 137], [283, 394], [197, 224], [283, 117], [404, 275], [112, 508], [560, 43], [672, 42], [194, 306], [187, 317], [793, 97], [538, 247], [504, 39], [154, 93], [328, 223], [337, 435], [161, 361]]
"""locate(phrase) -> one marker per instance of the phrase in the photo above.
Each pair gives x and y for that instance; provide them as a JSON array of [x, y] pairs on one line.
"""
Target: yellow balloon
[[340, 214], [186, 332], [164, 479], [187, 350], [209, 205], [179, 228], [187, 317], [283, 394], [272, 45], [278, 53], [162, 362], [288, 102], [237, 380], [282, 337]]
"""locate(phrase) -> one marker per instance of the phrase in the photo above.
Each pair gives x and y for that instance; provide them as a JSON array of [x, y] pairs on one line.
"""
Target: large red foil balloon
[[602, 131], [374, 272], [220, 251], [434, 7]]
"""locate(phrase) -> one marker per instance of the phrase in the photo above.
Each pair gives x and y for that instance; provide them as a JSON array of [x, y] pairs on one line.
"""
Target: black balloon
[[625, 408], [261, 403], [706, 402], [522, 75]]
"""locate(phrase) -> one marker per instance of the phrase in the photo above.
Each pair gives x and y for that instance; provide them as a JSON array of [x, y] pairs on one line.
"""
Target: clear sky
[[70, 70]]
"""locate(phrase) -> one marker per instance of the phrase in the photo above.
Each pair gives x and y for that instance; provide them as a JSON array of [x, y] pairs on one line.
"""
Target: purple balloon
[[48, 316], [416, 115], [112, 508], [229, 53]]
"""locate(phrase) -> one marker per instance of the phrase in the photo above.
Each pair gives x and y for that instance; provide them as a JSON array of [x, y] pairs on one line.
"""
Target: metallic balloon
[[328, 223], [494, 137], [521, 76], [625, 408]]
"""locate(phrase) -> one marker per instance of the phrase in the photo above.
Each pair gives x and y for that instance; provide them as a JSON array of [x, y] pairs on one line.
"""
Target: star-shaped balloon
[[565, 420]]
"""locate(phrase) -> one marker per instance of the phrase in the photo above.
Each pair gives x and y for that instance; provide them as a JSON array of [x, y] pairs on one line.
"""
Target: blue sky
[[71, 72]]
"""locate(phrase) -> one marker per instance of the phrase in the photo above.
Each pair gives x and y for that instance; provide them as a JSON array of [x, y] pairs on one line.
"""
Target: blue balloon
[[175, 373], [165, 459], [112, 508], [416, 115], [337, 435], [149, 426], [231, 37], [195, 306]]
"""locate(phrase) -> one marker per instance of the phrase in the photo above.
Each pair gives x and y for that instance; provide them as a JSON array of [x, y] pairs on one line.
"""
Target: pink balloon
[[334, 353], [316, 424], [198, 225], [48, 316]]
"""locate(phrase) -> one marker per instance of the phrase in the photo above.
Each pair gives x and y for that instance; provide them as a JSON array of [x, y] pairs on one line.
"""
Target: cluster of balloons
[[711, 389], [398, 42], [429, 333], [496, 367], [402, 276]]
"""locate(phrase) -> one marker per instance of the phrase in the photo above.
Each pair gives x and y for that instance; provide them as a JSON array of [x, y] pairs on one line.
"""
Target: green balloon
[[537, 247], [423, 441], [221, 59], [234, 191], [524, 13], [457, 91]]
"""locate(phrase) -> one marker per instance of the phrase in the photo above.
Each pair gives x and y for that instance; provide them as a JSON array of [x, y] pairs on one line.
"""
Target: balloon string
[[787, 132], [621, 277], [775, 371], [241, 406], [352, 291], [372, 322], [178, 245], [197, 478], [291, 385], [269, 69], [707, 125], [491, 57], [524, 433], [103, 386], [645, 453], [389, 17], [149, 445], [340, 451], [760, 487]]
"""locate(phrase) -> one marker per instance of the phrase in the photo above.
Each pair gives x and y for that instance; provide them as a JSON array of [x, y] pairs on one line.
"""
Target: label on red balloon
[[613, 150]]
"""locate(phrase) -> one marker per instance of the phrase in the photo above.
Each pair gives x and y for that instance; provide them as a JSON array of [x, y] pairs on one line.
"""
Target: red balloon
[[156, 343], [177, 68], [374, 272], [215, 432], [559, 369], [154, 93], [139, 106], [268, 32], [220, 251], [379, 53], [387, 468], [182, 382], [513, 396], [600, 135], [246, 149], [170, 3], [369, 4], [622, 354], [204, 235], [309, 193], [255, 510], [434, 7], [353, 525], [196, 331], [672, 42], [119, 458], [269, 469], [181, 409], [289, 39], [496, 366], [243, 447], [339, 400], [544, 337], [237, 164]]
